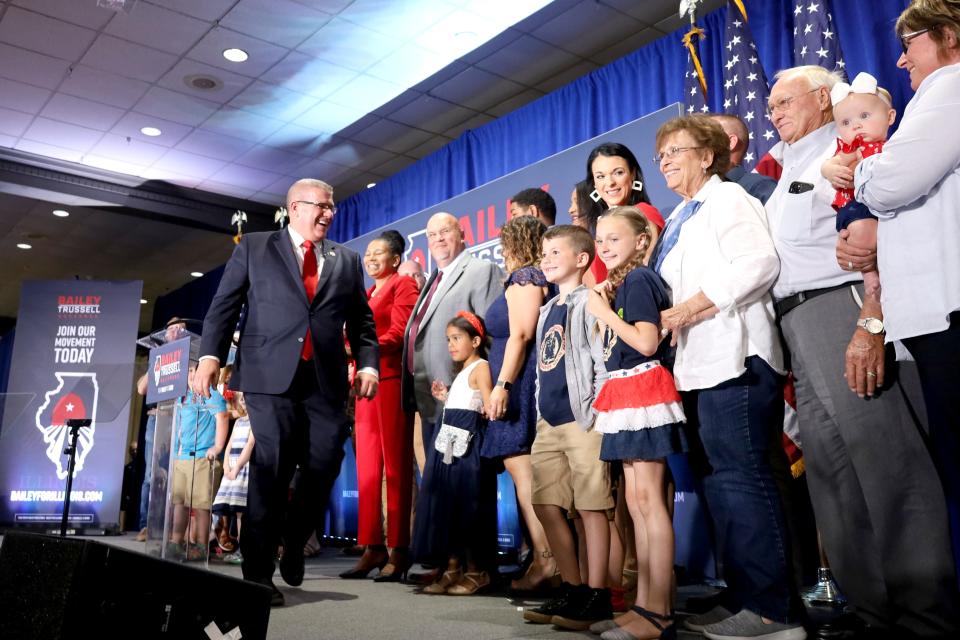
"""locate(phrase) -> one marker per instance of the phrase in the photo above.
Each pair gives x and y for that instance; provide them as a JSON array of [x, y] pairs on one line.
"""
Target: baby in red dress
[[863, 113]]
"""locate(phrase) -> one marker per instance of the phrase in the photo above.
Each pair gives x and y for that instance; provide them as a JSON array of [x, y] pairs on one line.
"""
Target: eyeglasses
[[326, 207], [907, 38], [433, 235], [784, 103], [672, 152]]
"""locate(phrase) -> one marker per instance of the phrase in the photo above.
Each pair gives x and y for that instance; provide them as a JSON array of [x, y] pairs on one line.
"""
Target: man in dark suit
[[299, 290]]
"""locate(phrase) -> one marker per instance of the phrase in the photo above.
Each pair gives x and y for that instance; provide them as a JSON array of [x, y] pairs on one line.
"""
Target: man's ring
[[871, 374], [849, 264]]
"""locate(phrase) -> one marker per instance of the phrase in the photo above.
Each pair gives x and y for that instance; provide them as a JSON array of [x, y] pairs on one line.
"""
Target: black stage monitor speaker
[[58, 588]]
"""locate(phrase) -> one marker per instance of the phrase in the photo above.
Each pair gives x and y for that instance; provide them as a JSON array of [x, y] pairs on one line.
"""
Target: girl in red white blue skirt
[[639, 411]]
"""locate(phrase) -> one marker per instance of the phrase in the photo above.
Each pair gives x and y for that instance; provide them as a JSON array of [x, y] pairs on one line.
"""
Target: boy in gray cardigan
[[567, 470]]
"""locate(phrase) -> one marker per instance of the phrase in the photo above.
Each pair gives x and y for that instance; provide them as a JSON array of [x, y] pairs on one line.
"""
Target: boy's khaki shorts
[[567, 469], [193, 482]]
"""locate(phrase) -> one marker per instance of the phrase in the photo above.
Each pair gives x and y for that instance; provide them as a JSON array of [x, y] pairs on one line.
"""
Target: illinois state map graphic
[[75, 396]]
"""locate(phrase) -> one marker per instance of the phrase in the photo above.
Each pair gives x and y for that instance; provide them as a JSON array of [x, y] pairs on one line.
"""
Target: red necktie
[[415, 325], [310, 286]]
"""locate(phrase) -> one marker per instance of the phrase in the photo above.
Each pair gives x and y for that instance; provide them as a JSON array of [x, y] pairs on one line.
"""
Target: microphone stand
[[74, 424]]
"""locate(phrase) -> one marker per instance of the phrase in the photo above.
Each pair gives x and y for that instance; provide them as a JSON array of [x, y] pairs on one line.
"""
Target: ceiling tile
[[527, 59], [491, 46], [306, 74], [329, 118], [648, 12], [229, 85], [355, 183], [440, 76], [408, 65], [268, 197], [390, 17], [365, 92], [543, 16], [567, 76], [45, 35], [200, 167], [118, 147], [178, 107], [125, 166], [154, 26], [508, 11], [428, 147], [393, 136], [476, 89], [85, 113], [431, 114], [62, 134], [273, 101], [80, 13], [402, 100], [278, 21], [7, 141], [625, 46], [566, 30], [214, 145], [49, 150], [209, 10], [263, 55], [344, 43], [22, 97], [240, 123], [101, 86], [171, 177], [128, 59], [130, 124], [32, 68], [253, 179], [297, 139], [277, 159], [394, 165], [322, 170], [458, 33], [358, 126], [226, 189], [330, 6], [503, 108], [14, 123], [352, 154], [476, 121]]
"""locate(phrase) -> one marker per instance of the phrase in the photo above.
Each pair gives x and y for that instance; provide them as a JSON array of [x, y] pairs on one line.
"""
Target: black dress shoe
[[291, 568], [396, 568]]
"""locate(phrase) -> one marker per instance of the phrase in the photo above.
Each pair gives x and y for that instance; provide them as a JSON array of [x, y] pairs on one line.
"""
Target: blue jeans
[[148, 469], [738, 421]]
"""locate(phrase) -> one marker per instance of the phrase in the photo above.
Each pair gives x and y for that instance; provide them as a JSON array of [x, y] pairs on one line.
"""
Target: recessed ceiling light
[[143, 301], [196, 274], [153, 132], [24, 245], [371, 185], [61, 213], [235, 55]]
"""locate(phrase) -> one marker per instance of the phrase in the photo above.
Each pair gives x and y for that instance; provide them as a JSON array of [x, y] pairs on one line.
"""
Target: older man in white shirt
[[875, 492]]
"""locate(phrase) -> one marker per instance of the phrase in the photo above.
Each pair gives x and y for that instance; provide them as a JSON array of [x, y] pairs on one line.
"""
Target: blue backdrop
[[635, 85]]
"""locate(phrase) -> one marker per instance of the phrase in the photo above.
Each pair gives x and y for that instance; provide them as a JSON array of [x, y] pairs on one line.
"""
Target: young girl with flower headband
[[863, 113], [457, 505]]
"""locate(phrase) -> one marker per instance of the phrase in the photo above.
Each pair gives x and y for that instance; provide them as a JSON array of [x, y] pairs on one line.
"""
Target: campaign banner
[[167, 371], [483, 210], [73, 357]]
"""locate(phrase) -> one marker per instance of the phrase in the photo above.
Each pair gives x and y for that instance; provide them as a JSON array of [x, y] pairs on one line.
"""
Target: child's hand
[[597, 303], [439, 390], [838, 170], [231, 474]]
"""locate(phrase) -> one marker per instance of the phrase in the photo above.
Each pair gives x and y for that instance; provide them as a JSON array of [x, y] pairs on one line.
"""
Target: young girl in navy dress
[[457, 505], [638, 411]]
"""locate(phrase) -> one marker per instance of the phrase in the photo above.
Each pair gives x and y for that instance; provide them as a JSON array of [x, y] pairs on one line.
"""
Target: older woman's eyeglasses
[[326, 207], [672, 152], [907, 38], [784, 103]]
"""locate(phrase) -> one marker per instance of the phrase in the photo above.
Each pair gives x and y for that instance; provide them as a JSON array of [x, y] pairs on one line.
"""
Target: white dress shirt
[[913, 187], [724, 250], [804, 225], [444, 282], [299, 251]]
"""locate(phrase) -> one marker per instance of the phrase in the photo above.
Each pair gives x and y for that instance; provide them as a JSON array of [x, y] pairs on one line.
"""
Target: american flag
[[745, 89], [695, 82], [815, 40]]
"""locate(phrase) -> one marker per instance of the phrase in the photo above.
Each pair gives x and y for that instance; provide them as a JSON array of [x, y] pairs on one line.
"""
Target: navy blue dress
[[514, 433]]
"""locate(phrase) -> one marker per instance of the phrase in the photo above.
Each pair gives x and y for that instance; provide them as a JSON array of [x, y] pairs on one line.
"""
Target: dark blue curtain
[[644, 81], [6, 356]]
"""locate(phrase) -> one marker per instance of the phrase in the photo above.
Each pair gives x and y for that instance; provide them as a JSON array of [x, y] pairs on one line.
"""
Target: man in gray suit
[[460, 283]]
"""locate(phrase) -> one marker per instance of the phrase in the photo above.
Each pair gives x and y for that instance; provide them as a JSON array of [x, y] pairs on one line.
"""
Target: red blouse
[[391, 308]]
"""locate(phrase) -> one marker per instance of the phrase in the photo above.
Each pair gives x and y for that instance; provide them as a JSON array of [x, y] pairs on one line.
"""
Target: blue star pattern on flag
[[745, 89], [815, 39], [695, 83]]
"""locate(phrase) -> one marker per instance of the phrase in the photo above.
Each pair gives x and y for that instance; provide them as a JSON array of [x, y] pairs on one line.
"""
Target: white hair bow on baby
[[863, 83]]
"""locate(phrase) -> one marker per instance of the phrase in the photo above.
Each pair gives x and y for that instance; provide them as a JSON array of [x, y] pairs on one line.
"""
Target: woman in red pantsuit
[[384, 431]]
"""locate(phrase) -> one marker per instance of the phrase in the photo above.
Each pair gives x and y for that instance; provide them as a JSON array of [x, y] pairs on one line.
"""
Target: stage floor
[[330, 608]]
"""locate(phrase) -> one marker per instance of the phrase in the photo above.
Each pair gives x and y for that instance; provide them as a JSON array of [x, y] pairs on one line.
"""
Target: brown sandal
[[472, 582], [447, 581]]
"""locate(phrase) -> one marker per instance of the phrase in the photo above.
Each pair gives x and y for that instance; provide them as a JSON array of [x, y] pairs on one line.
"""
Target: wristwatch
[[873, 326], [503, 384]]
